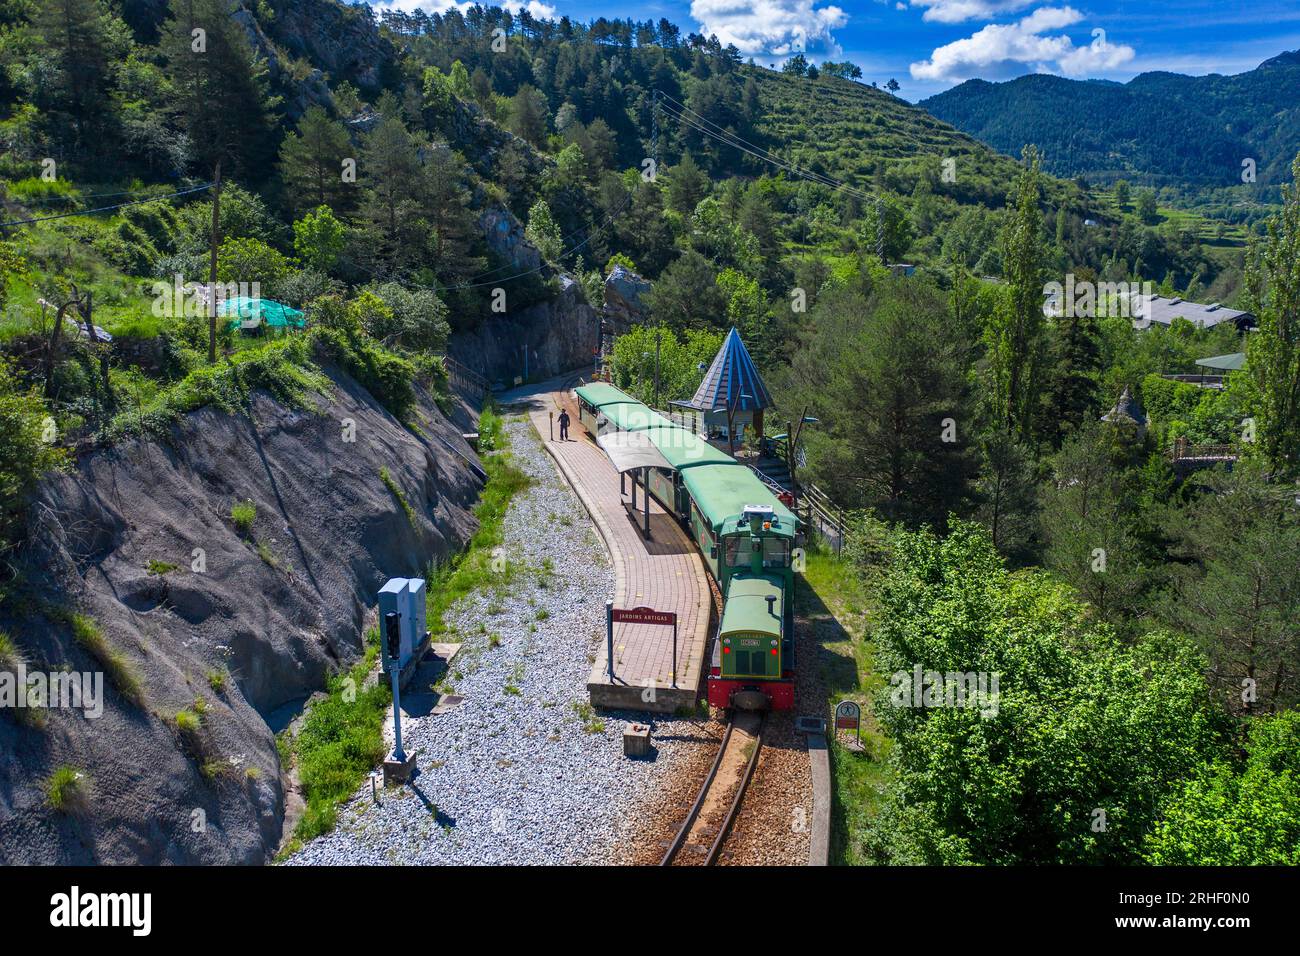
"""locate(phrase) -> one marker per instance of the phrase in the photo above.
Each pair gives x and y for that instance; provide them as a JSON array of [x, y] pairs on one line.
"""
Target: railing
[[824, 515], [680, 418], [464, 376], [1183, 450]]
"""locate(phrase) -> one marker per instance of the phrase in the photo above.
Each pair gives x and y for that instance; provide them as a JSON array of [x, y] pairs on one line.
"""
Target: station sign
[[644, 615]]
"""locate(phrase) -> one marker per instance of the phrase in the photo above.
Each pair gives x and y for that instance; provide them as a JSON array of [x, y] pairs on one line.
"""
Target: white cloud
[[959, 11], [1005, 48], [542, 11], [775, 27]]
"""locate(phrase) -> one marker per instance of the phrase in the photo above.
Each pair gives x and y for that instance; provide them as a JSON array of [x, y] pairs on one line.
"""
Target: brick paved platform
[[664, 573]]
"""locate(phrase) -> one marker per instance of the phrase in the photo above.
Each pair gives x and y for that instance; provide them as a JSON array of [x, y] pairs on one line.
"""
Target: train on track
[[745, 535]]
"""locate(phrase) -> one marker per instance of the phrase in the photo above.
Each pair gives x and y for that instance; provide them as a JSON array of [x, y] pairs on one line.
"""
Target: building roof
[[1148, 309], [732, 381], [273, 313], [1225, 363]]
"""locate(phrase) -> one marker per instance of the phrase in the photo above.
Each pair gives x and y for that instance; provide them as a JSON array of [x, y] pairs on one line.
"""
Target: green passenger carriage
[[745, 535]]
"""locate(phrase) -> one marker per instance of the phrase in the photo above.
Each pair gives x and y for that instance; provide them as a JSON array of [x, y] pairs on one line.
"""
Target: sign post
[[848, 716], [609, 640], [640, 615]]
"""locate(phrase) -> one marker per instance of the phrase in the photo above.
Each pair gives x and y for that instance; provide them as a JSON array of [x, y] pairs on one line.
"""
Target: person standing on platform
[[564, 424]]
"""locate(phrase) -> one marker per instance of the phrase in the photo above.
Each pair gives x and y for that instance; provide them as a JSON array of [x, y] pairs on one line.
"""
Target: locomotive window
[[776, 553], [742, 662], [736, 558]]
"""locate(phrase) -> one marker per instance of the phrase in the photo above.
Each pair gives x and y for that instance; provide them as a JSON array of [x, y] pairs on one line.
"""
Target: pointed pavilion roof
[[732, 381], [1127, 409]]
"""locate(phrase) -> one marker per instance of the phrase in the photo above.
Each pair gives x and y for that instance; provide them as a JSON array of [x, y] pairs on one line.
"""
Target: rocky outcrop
[[140, 539], [340, 39], [505, 237], [533, 343], [625, 293]]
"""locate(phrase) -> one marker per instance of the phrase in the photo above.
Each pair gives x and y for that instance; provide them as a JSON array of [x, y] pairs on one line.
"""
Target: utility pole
[[212, 265], [659, 333]]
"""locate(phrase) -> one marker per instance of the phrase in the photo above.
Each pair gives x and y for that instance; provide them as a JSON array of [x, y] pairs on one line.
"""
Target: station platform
[[664, 573]]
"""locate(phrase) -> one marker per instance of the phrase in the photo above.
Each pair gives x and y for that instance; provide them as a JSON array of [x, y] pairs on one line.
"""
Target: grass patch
[[267, 555], [340, 741], [10, 655], [397, 493], [476, 566], [87, 633], [11, 659], [66, 788], [159, 567], [243, 514], [217, 681], [591, 722], [838, 602], [188, 722], [283, 368]]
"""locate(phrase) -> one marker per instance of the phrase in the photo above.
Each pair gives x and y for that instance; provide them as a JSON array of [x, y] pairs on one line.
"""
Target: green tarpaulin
[[275, 314]]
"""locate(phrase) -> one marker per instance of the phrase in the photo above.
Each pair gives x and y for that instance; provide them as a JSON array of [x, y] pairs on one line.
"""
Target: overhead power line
[[91, 212]]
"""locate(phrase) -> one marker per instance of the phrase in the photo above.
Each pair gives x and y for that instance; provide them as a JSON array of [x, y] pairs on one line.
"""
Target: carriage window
[[776, 553]]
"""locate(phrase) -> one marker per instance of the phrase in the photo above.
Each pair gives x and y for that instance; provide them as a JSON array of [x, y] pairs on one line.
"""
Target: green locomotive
[[745, 535]]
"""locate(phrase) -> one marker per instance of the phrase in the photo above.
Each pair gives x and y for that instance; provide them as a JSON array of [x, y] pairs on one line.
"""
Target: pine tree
[[220, 88], [1015, 332], [1071, 397], [312, 163], [390, 176], [687, 185], [85, 44], [1273, 289], [446, 199]]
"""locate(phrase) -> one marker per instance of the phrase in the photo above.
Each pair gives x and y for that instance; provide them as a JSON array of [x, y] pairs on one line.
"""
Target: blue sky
[[930, 45]]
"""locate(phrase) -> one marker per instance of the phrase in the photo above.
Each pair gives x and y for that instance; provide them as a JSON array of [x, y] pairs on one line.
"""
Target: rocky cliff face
[[557, 336], [625, 293], [536, 341], [276, 610]]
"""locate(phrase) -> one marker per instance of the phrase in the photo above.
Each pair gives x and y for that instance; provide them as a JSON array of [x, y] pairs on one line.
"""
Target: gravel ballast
[[522, 772]]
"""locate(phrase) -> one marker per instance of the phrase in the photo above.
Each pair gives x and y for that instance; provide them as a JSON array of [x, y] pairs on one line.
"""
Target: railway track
[[702, 834]]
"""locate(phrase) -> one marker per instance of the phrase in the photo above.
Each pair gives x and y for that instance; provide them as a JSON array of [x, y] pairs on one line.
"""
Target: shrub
[[243, 514], [66, 788], [388, 377], [24, 453]]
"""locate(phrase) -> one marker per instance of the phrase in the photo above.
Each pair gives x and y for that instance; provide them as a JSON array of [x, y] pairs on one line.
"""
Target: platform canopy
[[1224, 363], [632, 450], [732, 381]]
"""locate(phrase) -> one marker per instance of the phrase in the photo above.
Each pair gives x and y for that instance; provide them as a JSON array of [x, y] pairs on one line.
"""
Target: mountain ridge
[[1190, 134]]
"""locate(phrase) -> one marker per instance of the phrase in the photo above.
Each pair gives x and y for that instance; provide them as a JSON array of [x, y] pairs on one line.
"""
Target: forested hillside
[[1187, 135], [416, 185]]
